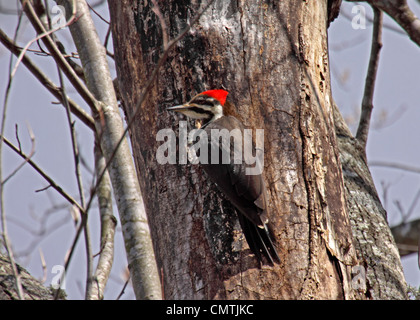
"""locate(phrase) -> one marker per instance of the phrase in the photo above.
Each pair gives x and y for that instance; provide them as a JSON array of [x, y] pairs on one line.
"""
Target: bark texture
[[32, 288], [272, 57], [375, 245]]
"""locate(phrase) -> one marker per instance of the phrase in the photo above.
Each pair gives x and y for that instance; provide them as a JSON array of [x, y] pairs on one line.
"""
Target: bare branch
[[44, 266], [407, 236], [20, 148], [406, 214], [41, 231], [46, 82], [107, 36], [40, 36], [89, 257], [108, 224], [350, 16], [4, 234], [58, 56], [97, 14], [394, 165], [367, 103], [44, 175], [402, 14], [123, 288]]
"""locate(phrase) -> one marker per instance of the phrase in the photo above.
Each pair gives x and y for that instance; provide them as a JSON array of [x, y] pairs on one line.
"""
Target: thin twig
[[367, 102], [75, 149], [46, 82], [108, 224], [59, 58], [405, 215], [394, 165], [413, 205], [44, 266], [123, 289], [40, 36], [31, 134], [350, 17], [98, 15], [17, 136], [5, 235], [42, 232], [54, 185], [43, 189], [107, 36], [402, 14]]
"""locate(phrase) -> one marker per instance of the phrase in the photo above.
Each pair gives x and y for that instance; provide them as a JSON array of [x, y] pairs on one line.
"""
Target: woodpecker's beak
[[191, 111], [179, 108]]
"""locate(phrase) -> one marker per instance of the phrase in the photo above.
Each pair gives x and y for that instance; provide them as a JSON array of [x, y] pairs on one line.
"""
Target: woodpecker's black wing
[[246, 191]]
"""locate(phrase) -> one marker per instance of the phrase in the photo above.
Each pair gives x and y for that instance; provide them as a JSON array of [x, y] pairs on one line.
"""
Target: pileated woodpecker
[[245, 191]]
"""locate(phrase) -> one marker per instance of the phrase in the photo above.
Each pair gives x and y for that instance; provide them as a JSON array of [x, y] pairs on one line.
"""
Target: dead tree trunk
[[272, 56]]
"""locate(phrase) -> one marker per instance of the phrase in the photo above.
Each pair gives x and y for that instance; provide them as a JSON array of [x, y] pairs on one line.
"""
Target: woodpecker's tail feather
[[259, 240]]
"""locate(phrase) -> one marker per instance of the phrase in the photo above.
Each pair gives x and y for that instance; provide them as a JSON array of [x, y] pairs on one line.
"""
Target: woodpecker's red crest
[[219, 95]]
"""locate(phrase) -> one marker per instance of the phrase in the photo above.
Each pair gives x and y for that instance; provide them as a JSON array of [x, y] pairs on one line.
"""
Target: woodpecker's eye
[[204, 101]]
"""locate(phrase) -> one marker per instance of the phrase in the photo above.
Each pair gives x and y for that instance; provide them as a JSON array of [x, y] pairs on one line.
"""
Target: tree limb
[[4, 234], [58, 56], [78, 175], [402, 14], [52, 183], [394, 165], [406, 236], [108, 224], [367, 102], [46, 82]]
